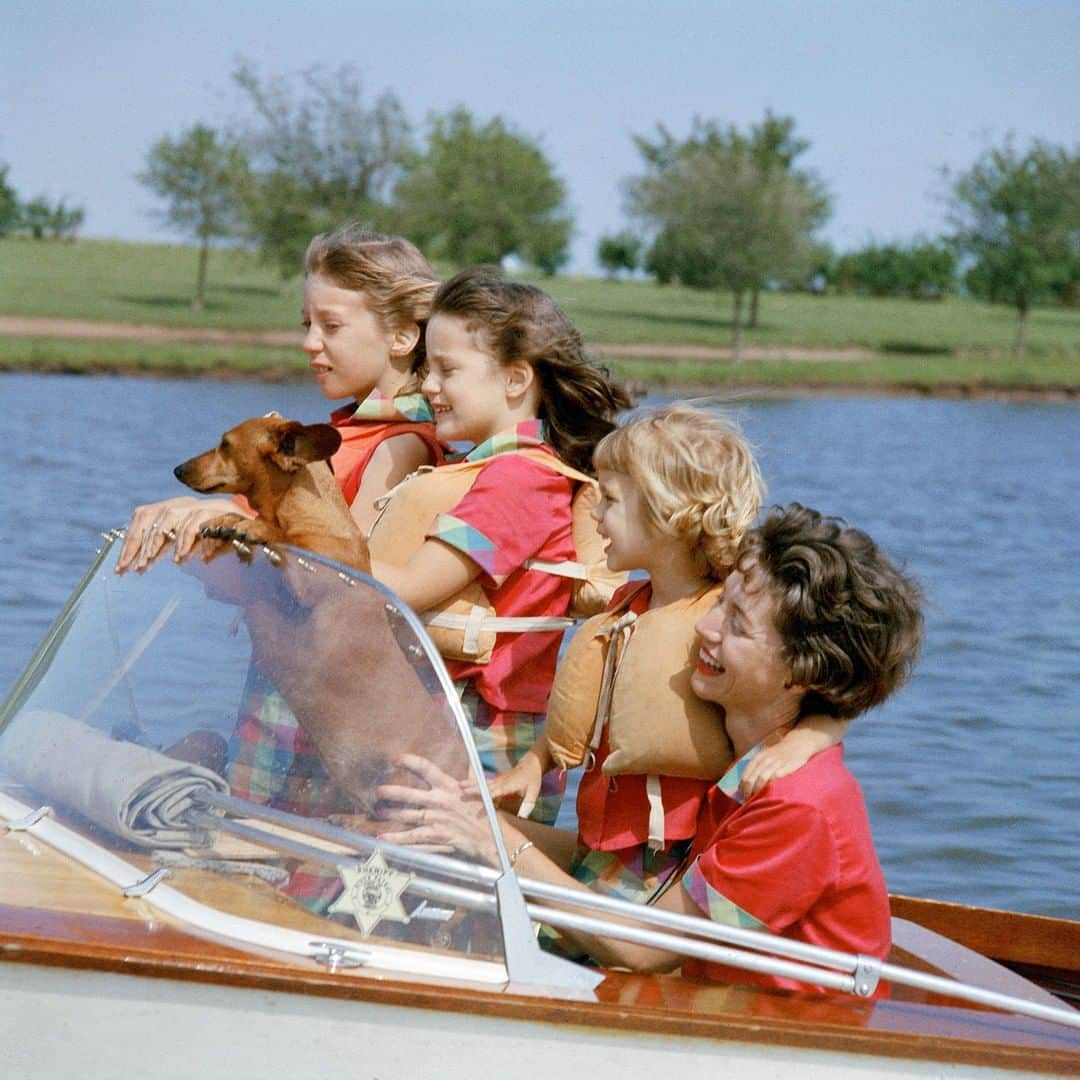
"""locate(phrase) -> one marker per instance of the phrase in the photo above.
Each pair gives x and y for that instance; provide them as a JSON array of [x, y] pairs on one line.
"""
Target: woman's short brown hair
[[851, 621]]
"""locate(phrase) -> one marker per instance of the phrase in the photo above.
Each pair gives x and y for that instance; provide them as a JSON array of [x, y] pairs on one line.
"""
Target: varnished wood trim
[[657, 1005], [1006, 936]]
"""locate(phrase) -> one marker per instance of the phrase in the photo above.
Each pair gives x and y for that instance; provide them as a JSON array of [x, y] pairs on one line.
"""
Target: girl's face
[[348, 346], [466, 386], [622, 520], [740, 662]]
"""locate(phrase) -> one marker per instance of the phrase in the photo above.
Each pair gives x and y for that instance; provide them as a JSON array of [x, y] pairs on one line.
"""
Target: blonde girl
[[679, 489]]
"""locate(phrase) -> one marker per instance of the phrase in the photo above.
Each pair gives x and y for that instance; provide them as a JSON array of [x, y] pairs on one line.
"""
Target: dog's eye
[[224, 444]]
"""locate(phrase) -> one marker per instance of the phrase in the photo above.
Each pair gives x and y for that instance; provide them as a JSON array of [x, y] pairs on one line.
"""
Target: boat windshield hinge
[[144, 885], [867, 974], [336, 956], [24, 823]]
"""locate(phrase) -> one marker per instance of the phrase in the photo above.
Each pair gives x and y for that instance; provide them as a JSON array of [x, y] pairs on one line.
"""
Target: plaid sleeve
[[512, 512], [715, 905]]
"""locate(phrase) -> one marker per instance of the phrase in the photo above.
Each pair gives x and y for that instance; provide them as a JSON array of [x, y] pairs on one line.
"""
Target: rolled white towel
[[137, 794]]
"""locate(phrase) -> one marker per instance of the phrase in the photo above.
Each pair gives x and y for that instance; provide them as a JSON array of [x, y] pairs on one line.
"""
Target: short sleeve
[[508, 516], [771, 861]]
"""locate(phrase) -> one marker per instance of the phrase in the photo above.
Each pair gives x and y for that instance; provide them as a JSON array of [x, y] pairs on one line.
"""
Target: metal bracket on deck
[[867, 974], [146, 884], [336, 956], [24, 823]]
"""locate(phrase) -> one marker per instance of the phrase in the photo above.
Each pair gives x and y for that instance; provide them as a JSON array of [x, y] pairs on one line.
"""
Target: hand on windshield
[[155, 526], [446, 816]]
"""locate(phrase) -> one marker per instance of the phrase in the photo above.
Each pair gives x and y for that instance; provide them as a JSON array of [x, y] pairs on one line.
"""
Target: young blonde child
[[508, 377], [679, 488]]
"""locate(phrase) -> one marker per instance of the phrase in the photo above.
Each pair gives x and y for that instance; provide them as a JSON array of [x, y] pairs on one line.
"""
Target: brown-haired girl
[[507, 375]]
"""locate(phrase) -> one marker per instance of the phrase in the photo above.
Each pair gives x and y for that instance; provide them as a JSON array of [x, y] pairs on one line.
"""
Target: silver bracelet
[[520, 848]]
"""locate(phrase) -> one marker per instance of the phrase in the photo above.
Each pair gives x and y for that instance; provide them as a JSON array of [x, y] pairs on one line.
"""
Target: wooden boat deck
[[88, 925]]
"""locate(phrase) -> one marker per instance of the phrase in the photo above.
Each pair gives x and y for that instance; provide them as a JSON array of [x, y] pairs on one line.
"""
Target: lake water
[[971, 772]]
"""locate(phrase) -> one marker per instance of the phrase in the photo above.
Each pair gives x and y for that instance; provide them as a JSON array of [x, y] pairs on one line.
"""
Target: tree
[[201, 175], [619, 252], [65, 221], [1017, 218], [9, 204], [319, 155], [482, 192], [41, 218], [773, 145], [35, 215], [721, 217]]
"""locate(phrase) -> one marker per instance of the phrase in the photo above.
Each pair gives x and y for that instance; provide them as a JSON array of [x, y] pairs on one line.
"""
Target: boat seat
[[964, 964]]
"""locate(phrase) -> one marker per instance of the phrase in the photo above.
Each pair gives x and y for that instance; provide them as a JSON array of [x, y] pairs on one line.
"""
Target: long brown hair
[[578, 399]]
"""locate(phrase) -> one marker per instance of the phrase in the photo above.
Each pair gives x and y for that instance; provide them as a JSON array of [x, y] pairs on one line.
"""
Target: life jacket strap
[[477, 621], [656, 813], [569, 569]]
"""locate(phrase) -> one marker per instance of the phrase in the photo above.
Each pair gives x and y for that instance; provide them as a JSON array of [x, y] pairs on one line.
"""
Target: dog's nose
[[178, 472]]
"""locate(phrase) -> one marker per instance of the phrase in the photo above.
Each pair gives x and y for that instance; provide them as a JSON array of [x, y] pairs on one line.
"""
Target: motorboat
[[182, 899]]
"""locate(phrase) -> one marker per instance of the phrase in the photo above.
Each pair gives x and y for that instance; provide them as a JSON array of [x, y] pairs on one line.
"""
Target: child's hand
[[522, 781], [770, 764], [793, 751]]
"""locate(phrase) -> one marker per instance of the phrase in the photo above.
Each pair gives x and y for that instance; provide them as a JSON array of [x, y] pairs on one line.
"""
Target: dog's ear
[[300, 445]]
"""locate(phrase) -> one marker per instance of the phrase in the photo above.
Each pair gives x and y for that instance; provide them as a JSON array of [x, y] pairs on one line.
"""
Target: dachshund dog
[[337, 655], [280, 467]]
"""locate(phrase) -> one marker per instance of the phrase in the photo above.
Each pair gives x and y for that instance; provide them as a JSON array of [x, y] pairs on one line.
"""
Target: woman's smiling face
[[740, 662]]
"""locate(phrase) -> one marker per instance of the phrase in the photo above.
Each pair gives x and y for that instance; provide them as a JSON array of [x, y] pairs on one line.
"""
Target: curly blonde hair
[[697, 476]]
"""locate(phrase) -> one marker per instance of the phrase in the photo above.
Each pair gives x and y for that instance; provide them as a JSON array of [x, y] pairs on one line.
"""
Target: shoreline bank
[[727, 391], [730, 387]]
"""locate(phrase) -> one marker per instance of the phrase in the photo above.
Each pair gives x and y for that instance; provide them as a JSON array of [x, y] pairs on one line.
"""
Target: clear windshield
[[239, 723]]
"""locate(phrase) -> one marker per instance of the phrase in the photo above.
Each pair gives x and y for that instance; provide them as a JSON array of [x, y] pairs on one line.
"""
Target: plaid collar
[[527, 433], [729, 782], [377, 406]]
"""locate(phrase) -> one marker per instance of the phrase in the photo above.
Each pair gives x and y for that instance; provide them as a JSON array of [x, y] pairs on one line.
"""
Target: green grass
[[142, 283], [951, 341], [925, 373]]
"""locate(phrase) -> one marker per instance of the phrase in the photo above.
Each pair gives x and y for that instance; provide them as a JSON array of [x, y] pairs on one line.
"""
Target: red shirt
[[613, 811], [360, 438], [516, 510], [798, 858]]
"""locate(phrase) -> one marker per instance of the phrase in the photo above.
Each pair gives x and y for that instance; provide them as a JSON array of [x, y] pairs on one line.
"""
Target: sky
[[887, 93]]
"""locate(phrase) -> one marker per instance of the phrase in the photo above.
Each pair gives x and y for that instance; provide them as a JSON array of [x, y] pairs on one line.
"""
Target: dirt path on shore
[[20, 326]]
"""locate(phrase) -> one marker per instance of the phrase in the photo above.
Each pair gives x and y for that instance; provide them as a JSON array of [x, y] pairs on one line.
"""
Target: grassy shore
[[809, 339]]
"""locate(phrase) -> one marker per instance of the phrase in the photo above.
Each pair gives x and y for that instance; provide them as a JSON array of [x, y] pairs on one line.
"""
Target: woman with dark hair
[[813, 619]]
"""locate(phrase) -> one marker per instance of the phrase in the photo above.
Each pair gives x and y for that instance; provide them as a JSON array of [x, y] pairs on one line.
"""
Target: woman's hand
[[520, 786], [446, 816], [177, 521]]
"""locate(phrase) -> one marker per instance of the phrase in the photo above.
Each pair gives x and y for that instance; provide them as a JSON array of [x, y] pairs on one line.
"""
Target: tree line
[[721, 209], [39, 217]]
